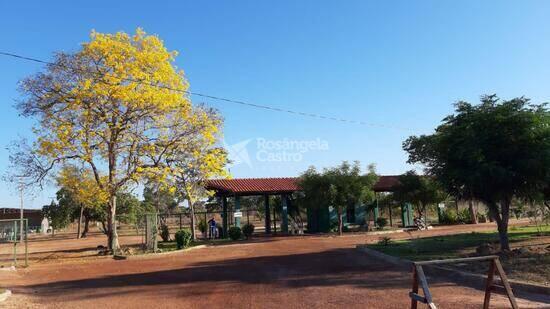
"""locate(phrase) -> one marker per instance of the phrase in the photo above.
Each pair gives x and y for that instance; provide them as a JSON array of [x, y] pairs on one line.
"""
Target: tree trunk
[[192, 215], [78, 235], [502, 222], [86, 226], [473, 214], [112, 235], [104, 226], [340, 221]]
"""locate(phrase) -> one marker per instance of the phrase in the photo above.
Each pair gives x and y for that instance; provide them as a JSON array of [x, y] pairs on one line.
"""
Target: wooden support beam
[[424, 285], [489, 284], [417, 297], [414, 302], [506, 284], [460, 260]]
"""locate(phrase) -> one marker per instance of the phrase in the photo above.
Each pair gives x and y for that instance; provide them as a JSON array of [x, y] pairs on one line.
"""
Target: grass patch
[[531, 266], [452, 246]]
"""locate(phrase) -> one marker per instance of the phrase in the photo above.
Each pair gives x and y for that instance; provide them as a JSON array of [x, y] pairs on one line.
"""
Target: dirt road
[[285, 272]]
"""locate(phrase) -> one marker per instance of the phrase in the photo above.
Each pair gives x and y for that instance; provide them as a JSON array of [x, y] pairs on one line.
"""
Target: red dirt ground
[[288, 272]]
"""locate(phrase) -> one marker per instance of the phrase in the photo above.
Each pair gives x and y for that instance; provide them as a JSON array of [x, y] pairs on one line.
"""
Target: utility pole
[[21, 238]]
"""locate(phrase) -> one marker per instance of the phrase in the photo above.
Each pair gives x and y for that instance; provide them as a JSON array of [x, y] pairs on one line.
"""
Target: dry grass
[[529, 260]]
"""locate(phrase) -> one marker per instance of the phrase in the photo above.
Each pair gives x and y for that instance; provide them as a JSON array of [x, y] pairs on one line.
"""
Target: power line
[[242, 103]]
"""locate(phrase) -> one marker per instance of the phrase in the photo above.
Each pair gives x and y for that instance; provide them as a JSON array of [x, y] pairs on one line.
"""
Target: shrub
[[384, 241], [448, 216], [248, 229], [235, 233], [164, 233], [481, 218], [381, 222], [464, 216], [183, 238], [202, 226]]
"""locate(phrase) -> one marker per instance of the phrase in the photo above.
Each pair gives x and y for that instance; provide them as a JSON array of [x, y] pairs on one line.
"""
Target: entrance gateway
[[284, 187]]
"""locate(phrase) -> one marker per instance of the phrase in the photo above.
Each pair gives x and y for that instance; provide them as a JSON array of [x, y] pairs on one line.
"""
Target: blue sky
[[396, 63]]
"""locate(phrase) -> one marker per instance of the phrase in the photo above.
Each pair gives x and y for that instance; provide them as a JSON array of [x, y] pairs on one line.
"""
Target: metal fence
[[13, 243]]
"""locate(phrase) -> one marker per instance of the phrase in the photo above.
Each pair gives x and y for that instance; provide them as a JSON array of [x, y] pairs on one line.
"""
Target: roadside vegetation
[[529, 258]]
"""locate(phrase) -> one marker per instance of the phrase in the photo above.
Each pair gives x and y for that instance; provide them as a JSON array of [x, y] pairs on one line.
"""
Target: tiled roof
[[386, 183], [254, 185], [18, 210], [279, 185]]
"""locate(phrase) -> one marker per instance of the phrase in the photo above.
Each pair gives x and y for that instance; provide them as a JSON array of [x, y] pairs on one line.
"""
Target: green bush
[[235, 233], [202, 226], [183, 238], [464, 216], [164, 233], [248, 229], [481, 218], [448, 216], [381, 222]]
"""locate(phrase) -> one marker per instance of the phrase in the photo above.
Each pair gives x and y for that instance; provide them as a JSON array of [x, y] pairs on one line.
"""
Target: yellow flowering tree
[[116, 105], [197, 160], [84, 192]]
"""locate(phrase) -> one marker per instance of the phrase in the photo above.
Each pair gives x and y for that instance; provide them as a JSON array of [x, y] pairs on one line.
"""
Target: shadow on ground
[[338, 267]]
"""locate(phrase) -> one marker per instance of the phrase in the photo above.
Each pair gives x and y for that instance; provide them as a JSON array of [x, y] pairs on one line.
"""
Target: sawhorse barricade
[[419, 279]]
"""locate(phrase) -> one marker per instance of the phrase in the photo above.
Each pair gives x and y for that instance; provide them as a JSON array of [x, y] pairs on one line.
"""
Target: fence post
[[26, 243]]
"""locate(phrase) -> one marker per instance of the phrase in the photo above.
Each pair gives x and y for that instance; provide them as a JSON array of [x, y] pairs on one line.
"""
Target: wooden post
[[425, 288], [489, 284], [506, 284], [414, 302]]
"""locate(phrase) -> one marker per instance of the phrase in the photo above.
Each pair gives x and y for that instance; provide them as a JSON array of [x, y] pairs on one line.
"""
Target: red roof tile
[[254, 185], [386, 183], [279, 185]]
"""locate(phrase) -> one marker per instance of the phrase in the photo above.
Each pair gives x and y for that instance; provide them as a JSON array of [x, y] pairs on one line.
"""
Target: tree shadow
[[327, 268]]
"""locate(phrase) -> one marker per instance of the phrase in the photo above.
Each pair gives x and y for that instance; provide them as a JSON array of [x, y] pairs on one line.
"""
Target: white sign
[[441, 205], [238, 214]]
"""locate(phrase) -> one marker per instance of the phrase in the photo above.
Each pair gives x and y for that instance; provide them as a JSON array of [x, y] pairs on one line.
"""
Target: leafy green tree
[[494, 151], [58, 214], [339, 187], [421, 191]]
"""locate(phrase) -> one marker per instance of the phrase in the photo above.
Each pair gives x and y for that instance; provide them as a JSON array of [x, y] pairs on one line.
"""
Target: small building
[[34, 216], [319, 220]]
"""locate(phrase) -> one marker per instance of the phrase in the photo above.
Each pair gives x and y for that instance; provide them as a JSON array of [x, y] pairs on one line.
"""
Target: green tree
[[339, 187], [494, 151], [59, 214], [421, 191]]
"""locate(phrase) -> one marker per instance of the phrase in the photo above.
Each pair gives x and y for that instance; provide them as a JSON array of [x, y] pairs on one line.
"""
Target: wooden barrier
[[419, 280]]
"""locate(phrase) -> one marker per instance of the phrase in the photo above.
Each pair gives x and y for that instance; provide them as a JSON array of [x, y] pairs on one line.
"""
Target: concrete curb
[[471, 279], [154, 255], [5, 295]]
